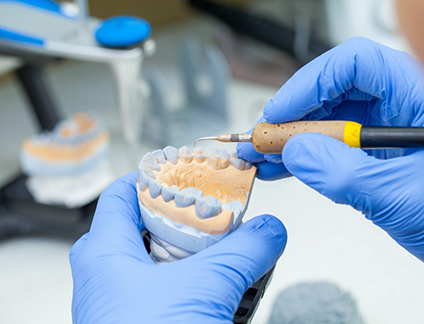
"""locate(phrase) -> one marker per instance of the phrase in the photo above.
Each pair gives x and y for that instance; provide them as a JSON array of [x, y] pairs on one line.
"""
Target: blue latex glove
[[115, 281], [369, 83]]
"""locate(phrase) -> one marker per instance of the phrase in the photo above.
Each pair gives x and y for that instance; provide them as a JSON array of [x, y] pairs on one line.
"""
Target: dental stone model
[[69, 165], [74, 145], [190, 200]]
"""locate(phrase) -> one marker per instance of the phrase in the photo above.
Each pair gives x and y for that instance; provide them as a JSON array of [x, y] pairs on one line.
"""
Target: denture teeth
[[184, 150], [207, 207], [171, 154], [218, 160], [238, 163], [233, 155], [224, 154], [143, 179], [198, 155], [160, 157], [212, 152], [212, 156], [198, 150], [225, 159], [155, 188], [169, 193], [187, 197], [248, 166], [151, 162], [193, 191], [184, 154], [144, 166]]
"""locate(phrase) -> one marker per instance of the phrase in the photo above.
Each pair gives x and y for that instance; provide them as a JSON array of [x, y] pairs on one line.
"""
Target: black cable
[[387, 137]]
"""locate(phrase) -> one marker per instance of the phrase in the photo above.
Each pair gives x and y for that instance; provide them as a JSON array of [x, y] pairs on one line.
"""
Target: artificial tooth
[[225, 159], [224, 154], [238, 163], [248, 166], [198, 155], [184, 150], [187, 197], [160, 157], [218, 160], [151, 162], [212, 152], [184, 154], [207, 207], [143, 179], [171, 154], [193, 191], [143, 165], [233, 155], [169, 193], [155, 188], [138, 175], [212, 155]]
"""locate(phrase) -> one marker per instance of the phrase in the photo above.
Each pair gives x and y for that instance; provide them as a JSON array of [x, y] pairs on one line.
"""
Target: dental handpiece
[[270, 138]]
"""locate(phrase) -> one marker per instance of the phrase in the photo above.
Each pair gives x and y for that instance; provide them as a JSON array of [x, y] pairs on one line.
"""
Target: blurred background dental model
[[68, 165], [87, 88]]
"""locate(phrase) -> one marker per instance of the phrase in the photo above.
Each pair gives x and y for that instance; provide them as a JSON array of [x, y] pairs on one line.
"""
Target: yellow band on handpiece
[[352, 134]]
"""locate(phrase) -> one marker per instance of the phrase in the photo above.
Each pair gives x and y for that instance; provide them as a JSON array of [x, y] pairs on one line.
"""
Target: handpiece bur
[[271, 138], [227, 138]]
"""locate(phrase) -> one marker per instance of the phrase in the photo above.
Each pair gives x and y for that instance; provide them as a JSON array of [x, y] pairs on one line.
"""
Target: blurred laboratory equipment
[[374, 19], [307, 28], [47, 31], [300, 41], [68, 166], [267, 41], [204, 74]]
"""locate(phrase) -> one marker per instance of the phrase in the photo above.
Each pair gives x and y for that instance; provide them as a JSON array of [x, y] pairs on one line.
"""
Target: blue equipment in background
[[36, 32]]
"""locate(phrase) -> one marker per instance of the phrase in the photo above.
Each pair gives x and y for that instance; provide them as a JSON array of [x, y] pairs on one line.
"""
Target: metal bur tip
[[227, 138], [210, 138]]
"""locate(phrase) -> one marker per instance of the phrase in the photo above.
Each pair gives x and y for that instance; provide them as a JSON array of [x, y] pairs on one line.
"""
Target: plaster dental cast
[[116, 281], [191, 200]]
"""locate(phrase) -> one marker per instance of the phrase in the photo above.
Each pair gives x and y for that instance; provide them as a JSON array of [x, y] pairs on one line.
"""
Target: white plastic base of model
[[162, 252], [74, 190]]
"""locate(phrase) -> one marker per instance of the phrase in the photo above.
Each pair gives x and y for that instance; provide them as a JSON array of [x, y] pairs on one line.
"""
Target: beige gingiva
[[190, 187]]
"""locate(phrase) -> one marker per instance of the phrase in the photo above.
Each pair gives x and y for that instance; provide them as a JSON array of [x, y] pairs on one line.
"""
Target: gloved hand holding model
[[115, 280], [366, 82]]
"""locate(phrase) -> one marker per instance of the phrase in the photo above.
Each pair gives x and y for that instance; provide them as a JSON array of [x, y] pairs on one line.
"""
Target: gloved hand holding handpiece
[[369, 83]]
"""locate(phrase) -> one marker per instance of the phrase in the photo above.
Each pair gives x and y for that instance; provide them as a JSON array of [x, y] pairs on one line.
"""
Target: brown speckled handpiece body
[[271, 138]]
